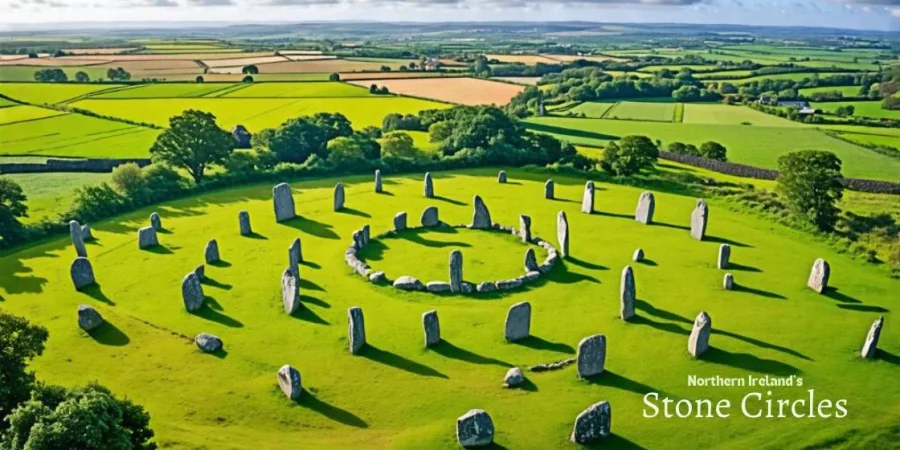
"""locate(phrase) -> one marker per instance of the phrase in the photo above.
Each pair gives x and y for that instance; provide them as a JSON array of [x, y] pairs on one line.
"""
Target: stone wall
[[71, 165]]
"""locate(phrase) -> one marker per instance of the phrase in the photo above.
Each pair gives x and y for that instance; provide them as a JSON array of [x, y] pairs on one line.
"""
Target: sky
[[883, 15]]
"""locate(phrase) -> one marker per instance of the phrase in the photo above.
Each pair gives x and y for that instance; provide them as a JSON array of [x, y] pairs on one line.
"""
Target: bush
[[713, 150], [409, 122], [199, 79], [247, 79], [398, 144], [82, 77], [629, 156], [163, 182], [240, 161], [51, 76], [94, 202], [250, 70], [334, 77], [129, 181]]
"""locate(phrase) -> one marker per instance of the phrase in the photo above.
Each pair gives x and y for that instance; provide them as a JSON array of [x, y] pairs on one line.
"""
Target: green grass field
[[732, 115], [795, 76], [6, 103], [26, 73], [862, 109], [75, 135], [24, 113], [398, 395], [846, 91], [50, 93], [639, 110], [166, 90], [594, 110], [50, 194], [299, 90]]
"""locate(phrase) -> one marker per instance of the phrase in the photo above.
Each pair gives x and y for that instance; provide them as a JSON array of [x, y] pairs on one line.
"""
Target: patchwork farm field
[[167, 90], [50, 194], [651, 111], [593, 110], [464, 91], [846, 91], [299, 90], [770, 325], [24, 113], [75, 135], [50, 93], [862, 109], [733, 115], [26, 73]]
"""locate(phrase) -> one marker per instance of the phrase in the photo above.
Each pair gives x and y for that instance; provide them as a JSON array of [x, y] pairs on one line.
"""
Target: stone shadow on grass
[[648, 262], [398, 362], [209, 281], [310, 264], [95, 292], [314, 301], [748, 362], [585, 264], [762, 344], [612, 214], [307, 315], [527, 385], [448, 350], [109, 334], [767, 294], [257, 236], [354, 212], [864, 308], [315, 228], [721, 240], [670, 225], [220, 263], [742, 268], [834, 294], [561, 274], [306, 284], [450, 200], [614, 380], [160, 250], [888, 357], [614, 441], [309, 401], [374, 251], [416, 236], [645, 306], [209, 313], [661, 326], [537, 343]]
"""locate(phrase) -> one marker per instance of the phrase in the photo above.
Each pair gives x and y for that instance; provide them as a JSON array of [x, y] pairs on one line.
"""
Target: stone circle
[[645, 207], [870, 347], [192, 292], [699, 219], [244, 223], [211, 254], [513, 378], [77, 239], [147, 238], [432, 327], [587, 202]]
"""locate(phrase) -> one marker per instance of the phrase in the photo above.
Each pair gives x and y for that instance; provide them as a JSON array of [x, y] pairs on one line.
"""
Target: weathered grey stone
[[212, 251], [587, 201], [699, 218], [290, 382], [86, 233], [408, 283], [456, 270], [82, 273], [147, 238], [437, 286], [525, 228], [283, 200], [88, 318], [531, 261], [429, 185], [591, 356], [819, 275], [513, 378], [728, 282], [467, 288], [400, 221], [475, 429], [295, 257], [241, 136], [339, 196], [356, 327], [593, 424], [200, 271], [432, 327], [562, 233], [486, 286], [378, 277], [208, 342], [77, 239], [544, 367], [518, 322], [366, 234], [627, 294], [481, 218], [531, 276], [638, 255], [508, 285], [698, 342], [645, 207], [549, 193], [870, 347], [358, 239], [501, 177], [724, 256], [155, 222], [192, 292], [378, 187], [244, 223], [430, 217], [290, 291]]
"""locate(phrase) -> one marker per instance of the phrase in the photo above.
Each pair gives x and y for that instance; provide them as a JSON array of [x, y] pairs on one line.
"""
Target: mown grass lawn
[[399, 395], [75, 135], [51, 194]]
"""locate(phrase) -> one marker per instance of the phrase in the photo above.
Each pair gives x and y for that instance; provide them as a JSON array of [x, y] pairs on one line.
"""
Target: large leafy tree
[[294, 141], [810, 181], [629, 156], [20, 342], [193, 142], [714, 150], [334, 124], [12, 207]]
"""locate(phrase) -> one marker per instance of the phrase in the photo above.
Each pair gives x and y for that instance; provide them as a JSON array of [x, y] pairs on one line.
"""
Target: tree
[[20, 342], [12, 207], [349, 151], [686, 93], [199, 79], [629, 156], [82, 77], [385, 68], [129, 181], [844, 111], [295, 140], [335, 124], [118, 74], [334, 77], [398, 143], [713, 150], [250, 70], [683, 149], [810, 181], [193, 141], [58, 53], [247, 79], [51, 76]]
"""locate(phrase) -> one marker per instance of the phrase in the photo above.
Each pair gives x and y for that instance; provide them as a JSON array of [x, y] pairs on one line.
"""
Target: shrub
[[713, 150], [398, 144], [163, 181], [129, 180], [94, 202], [241, 161], [247, 79], [334, 77]]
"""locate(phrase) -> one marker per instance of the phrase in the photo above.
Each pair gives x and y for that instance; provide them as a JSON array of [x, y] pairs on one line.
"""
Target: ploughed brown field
[[464, 91]]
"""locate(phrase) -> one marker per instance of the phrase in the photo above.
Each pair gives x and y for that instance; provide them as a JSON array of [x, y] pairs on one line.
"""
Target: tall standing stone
[[339, 196], [870, 347], [531, 263], [430, 217], [244, 223], [400, 221], [290, 291], [77, 239], [724, 256], [819, 275], [645, 207], [699, 218], [562, 233], [429, 186], [147, 238], [698, 342], [591, 357], [587, 201], [481, 217], [283, 200], [518, 322], [456, 271], [290, 382], [366, 234], [432, 327], [295, 257], [88, 318], [155, 222], [501, 177], [212, 252], [728, 282], [192, 292], [357, 329], [475, 429], [593, 424], [378, 188], [549, 191], [627, 294], [525, 228], [82, 273]]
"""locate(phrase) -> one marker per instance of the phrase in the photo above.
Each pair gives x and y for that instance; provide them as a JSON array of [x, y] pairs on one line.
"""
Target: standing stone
[[357, 329], [699, 218], [456, 271], [475, 429], [481, 219], [200, 271], [283, 200], [525, 228], [429, 186], [724, 256], [339, 196], [646, 205], [155, 222], [77, 239], [698, 343], [501, 177], [212, 251], [818, 276], [728, 282], [192, 292], [88, 318], [627, 294], [430, 217], [378, 188], [290, 292], [208, 343], [870, 347], [82, 273], [587, 201], [562, 233], [244, 222], [432, 327], [400, 221], [531, 264], [549, 193], [518, 322], [366, 234], [593, 424], [513, 378], [591, 357], [86, 233], [295, 257], [147, 238], [638, 255], [290, 382]]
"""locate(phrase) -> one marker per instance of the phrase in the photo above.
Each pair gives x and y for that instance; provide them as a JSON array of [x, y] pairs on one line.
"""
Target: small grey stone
[[432, 327], [593, 424], [356, 326], [82, 273], [475, 429], [438, 286], [698, 342], [728, 282], [290, 382], [295, 256], [508, 285], [870, 347], [587, 202], [699, 219], [638, 255], [208, 343], [518, 322], [244, 223], [408, 283], [531, 261], [147, 238], [525, 228], [86, 233], [377, 277], [77, 239], [501, 177], [430, 217], [481, 217], [290, 292], [283, 200], [591, 356], [339, 196], [378, 188], [456, 271], [549, 190], [486, 286], [819, 275], [400, 221], [429, 186], [531, 276], [192, 292], [200, 271], [562, 233], [724, 256], [513, 378], [155, 222], [88, 318], [466, 288], [212, 252], [627, 294], [645, 207]]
